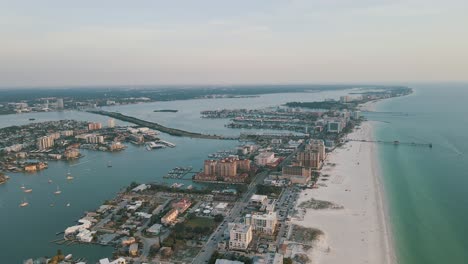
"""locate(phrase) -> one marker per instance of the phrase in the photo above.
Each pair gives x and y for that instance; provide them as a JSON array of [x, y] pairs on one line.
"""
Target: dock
[[395, 142]]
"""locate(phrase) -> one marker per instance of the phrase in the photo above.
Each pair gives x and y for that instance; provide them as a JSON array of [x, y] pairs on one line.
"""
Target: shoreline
[[361, 232]]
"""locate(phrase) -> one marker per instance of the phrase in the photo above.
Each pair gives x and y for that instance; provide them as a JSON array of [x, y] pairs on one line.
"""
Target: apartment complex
[[94, 126], [229, 170], [297, 174], [264, 223], [240, 237], [45, 142]]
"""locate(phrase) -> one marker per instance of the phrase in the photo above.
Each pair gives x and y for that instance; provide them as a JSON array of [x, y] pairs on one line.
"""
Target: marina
[[178, 172]]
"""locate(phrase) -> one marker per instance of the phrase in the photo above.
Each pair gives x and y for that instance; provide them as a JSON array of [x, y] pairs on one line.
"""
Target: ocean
[[426, 188]]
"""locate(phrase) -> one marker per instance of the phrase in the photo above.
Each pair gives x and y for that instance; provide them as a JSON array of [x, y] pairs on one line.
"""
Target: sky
[[151, 42]]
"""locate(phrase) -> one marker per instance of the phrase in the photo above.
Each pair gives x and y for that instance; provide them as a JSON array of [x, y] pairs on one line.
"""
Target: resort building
[[334, 127], [95, 139], [297, 174], [265, 158], [240, 237], [309, 159], [94, 126], [228, 170], [317, 145], [111, 123], [45, 142], [264, 223]]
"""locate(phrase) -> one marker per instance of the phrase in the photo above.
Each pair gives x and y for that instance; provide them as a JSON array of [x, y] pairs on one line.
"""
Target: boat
[[177, 185], [27, 190], [190, 187], [68, 204], [69, 176], [49, 181], [109, 164], [32, 119], [24, 203], [22, 186], [58, 191]]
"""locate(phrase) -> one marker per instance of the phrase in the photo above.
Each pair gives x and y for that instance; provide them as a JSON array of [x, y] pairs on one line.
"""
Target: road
[[212, 243]]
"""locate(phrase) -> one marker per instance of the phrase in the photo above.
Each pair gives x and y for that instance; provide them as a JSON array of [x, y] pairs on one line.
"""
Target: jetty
[[159, 127], [395, 142]]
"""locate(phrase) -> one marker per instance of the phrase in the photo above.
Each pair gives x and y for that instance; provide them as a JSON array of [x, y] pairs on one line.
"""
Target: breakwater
[[159, 127]]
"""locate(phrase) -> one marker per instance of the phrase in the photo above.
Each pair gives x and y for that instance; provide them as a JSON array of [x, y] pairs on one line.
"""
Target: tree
[[218, 218], [287, 261]]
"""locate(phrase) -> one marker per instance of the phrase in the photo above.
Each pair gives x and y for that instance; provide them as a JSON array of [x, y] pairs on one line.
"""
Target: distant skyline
[[116, 42]]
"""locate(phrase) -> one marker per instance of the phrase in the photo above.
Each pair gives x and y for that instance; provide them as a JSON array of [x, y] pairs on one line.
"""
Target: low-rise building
[[265, 158], [170, 217], [154, 229], [71, 153], [133, 249], [182, 205]]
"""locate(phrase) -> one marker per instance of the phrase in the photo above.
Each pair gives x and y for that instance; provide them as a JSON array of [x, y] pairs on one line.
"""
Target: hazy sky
[[105, 42]]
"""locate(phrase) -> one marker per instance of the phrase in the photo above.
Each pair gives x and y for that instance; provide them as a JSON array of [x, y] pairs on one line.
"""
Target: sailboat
[[24, 203], [69, 176], [58, 191]]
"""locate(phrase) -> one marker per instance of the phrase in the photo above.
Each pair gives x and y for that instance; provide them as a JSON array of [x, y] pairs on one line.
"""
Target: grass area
[[268, 190], [200, 222], [319, 204], [305, 235]]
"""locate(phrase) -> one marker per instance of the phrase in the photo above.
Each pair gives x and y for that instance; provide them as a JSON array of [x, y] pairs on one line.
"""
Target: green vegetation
[[268, 190], [305, 235], [326, 105], [192, 229], [318, 204]]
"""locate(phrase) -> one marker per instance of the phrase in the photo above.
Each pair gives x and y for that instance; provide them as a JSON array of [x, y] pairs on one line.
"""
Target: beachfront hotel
[[240, 237], [228, 170]]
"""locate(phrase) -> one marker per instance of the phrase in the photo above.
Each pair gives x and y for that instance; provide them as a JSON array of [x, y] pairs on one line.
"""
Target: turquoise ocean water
[[427, 189]]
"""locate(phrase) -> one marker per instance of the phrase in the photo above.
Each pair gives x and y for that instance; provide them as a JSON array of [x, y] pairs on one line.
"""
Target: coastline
[[359, 233]]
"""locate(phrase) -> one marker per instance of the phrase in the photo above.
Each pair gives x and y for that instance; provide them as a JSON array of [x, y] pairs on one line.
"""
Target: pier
[[395, 142]]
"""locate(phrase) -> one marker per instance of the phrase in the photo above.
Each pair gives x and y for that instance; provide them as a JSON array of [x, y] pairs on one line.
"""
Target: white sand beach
[[358, 233]]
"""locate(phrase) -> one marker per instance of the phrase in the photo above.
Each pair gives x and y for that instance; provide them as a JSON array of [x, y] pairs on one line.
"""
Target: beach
[[359, 232]]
